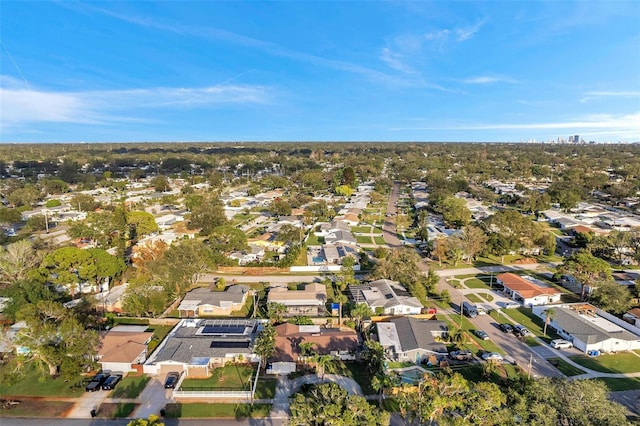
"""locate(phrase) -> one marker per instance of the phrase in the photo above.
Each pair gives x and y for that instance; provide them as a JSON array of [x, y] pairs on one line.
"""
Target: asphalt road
[[389, 226]]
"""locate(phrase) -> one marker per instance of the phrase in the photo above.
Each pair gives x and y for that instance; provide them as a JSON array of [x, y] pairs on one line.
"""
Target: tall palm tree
[[457, 337], [325, 362], [549, 314]]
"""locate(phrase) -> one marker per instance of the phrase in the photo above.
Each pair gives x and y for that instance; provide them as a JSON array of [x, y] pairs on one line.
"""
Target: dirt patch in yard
[[35, 407]]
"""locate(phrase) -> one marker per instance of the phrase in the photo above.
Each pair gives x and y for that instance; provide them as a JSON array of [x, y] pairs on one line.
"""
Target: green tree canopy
[[330, 405], [142, 223], [227, 238]]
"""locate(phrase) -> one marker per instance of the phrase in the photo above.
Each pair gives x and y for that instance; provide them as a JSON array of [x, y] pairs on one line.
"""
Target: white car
[[561, 344], [492, 356], [511, 305]]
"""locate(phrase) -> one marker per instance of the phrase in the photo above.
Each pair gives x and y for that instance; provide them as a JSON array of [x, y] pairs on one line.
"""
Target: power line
[[15, 64]]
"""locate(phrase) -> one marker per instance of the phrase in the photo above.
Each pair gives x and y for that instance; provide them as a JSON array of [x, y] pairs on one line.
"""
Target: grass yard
[[362, 229], [266, 388], [623, 362], [314, 240], [526, 317], [473, 298], [358, 372], [486, 296], [130, 387], [399, 364], [379, 241], [621, 384], [37, 408], [363, 239], [31, 383], [472, 343], [159, 333], [199, 410], [475, 283], [229, 377], [565, 368]]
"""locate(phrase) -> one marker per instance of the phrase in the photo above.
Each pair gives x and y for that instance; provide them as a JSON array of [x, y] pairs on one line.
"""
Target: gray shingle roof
[[419, 334], [580, 328]]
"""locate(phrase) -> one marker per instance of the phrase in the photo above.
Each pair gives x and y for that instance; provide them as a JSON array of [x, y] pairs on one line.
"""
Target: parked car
[[492, 356], [96, 382], [461, 355], [512, 305], [172, 380], [111, 382], [506, 328], [521, 330], [561, 344], [481, 334]]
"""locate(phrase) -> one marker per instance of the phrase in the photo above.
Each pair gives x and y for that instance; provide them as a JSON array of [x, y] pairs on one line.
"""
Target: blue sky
[[314, 71]]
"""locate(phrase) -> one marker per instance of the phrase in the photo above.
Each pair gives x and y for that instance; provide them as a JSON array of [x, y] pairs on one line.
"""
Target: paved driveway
[[87, 402], [153, 398]]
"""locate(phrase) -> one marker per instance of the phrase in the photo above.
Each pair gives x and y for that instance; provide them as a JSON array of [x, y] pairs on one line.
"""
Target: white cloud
[[487, 79], [20, 106], [395, 60], [466, 33], [609, 94]]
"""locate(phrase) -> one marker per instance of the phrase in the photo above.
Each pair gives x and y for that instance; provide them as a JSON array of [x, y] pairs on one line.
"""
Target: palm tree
[[457, 337], [325, 362], [359, 312], [549, 314]]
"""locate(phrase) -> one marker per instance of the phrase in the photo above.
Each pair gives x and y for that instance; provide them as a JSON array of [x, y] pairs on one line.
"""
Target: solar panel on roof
[[229, 344], [222, 329]]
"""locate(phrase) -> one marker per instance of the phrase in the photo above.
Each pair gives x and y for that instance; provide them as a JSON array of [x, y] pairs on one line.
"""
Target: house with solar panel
[[197, 346]]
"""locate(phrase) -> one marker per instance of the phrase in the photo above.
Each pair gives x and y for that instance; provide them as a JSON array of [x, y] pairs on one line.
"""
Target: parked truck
[[469, 310]]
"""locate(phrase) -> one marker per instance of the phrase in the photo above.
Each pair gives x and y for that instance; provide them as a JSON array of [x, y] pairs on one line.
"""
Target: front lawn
[[229, 377], [130, 387], [358, 372], [31, 383], [623, 362], [473, 298], [363, 239], [117, 410], [486, 296], [379, 241], [526, 317], [565, 368], [476, 283], [265, 389], [362, 229], [621, 384], [201, 409]]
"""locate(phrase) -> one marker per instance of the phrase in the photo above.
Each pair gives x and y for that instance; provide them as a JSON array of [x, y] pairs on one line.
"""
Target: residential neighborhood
[[132, 291]]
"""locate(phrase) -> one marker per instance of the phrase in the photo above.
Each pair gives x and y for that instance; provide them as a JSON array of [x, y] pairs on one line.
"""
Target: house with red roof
[[526, 292]]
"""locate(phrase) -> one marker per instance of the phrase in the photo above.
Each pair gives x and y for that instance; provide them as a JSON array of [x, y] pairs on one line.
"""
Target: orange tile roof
[[525, 288]]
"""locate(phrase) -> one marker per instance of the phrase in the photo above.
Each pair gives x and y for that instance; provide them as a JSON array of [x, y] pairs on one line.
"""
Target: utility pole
[[530, 362]]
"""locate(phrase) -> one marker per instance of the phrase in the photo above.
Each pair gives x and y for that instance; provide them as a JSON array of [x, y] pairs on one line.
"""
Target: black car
[[171, 380], [96, 382], [506, 328], [111, 382]]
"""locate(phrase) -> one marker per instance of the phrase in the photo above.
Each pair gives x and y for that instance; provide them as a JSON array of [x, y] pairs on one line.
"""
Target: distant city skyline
[[320, 71]]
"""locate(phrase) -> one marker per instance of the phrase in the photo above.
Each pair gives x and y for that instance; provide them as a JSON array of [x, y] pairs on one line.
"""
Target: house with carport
[[309, 301], [590, 328], [524, 291]]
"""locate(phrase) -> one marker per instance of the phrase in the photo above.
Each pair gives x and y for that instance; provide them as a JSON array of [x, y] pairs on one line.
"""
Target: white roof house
[[386, 295]]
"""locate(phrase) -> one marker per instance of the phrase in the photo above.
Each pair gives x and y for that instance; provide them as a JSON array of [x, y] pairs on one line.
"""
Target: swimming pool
[[317, 259]]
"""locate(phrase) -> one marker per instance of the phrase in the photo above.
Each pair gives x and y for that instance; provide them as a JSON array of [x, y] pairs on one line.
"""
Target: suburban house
[[207, 302], [526, 292], [340, 237], [412, 339], [340, 343], [124, 348], [387, 297], [308, 302], [196, 346], [590, 328], [335, 254]]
